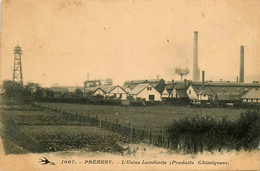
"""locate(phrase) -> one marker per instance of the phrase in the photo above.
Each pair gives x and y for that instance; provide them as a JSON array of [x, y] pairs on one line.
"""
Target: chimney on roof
[[241, 71], [196, 72], [203, 79], [185, 84], [172, 83]]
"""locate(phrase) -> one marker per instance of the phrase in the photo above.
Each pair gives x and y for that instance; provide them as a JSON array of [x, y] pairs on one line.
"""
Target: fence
[[135, 135]]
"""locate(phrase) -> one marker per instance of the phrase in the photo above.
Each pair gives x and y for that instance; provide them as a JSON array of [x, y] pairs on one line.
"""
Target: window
[[149, 88], [189, 91], [115, 95], [120, 96]]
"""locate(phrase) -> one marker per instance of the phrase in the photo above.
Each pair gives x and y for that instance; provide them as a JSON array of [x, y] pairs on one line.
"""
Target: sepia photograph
[[129, 85]]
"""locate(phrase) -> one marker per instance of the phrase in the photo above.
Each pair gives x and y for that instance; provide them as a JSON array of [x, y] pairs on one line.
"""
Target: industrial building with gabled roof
[[251, 96], [107, 91], [158, 84], [145, 92]]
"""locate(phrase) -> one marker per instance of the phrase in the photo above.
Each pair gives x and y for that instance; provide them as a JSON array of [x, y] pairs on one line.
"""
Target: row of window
[[251, 100], [149, 88]]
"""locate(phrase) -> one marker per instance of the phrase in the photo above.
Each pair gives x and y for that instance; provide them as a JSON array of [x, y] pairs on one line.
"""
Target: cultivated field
[[153, 118], [26, 129]]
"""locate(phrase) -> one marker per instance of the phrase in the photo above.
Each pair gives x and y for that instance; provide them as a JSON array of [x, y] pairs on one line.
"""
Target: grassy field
[[154, 118]]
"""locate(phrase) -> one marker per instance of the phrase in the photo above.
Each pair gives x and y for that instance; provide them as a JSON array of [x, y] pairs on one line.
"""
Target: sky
[[63, 40]]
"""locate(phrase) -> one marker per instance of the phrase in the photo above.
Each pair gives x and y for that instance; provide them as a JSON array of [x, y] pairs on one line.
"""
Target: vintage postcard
[[130, 85]]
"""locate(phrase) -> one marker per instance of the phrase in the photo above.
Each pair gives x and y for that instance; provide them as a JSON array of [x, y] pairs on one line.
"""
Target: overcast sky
[[63, 40]]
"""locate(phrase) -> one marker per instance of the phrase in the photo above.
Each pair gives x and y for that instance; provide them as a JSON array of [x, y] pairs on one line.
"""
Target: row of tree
[[13, 90]]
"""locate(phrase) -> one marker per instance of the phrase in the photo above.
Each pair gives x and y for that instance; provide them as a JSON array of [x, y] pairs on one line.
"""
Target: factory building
[[115, 92], [145, 92], [158, 84]]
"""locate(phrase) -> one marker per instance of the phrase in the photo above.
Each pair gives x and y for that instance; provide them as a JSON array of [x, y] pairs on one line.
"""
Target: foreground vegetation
[[206, 133], [28, 129]]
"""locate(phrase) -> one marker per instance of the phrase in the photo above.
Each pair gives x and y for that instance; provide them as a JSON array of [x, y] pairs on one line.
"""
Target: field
[[153, 118], [26, 129]]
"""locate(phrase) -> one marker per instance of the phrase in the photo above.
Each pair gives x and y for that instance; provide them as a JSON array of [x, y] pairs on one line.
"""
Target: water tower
[[17, 73]]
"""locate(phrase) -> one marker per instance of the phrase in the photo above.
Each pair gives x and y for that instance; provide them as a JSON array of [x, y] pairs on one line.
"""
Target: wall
[[165, 94], [118, 91], [145, 94], [192, 95], [98, 92]]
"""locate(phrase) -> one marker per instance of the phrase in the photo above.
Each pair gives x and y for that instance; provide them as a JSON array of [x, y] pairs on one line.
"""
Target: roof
[[65, 88], [227, 84], [196, 88], [182, 93], [139, 88], [252, 94], [228, 96], [207, 90], [91, 90], [107, 89], [155, 80]]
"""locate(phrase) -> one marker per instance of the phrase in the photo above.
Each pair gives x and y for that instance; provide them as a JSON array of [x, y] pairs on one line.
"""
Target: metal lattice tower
[[18, 74]]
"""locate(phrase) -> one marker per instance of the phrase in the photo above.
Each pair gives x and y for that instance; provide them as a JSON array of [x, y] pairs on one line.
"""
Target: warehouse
[[145, 92]]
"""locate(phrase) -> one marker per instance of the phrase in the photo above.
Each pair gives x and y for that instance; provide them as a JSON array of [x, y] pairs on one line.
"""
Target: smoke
[[182, 72]]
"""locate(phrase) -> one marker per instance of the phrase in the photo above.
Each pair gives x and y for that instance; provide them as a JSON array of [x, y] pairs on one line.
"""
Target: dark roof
[[227, 84], [182, 93], [207, 90], [65, 88], [196, 88]]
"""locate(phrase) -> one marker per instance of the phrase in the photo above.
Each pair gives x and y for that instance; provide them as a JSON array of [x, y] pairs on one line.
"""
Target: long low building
[[251, 97], [107, 91], [220, 92]]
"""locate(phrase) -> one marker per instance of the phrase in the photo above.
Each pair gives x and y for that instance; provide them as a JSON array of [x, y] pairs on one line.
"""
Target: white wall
[[202, 97], [98, 92], [165, 94], [174, 94], [118, 91], [191, 93], [145, 94]]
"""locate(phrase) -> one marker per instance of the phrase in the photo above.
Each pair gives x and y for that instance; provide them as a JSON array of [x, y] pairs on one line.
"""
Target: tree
[[30, 88], [49, 93], [78, 93], [39, 93], [12, 89]]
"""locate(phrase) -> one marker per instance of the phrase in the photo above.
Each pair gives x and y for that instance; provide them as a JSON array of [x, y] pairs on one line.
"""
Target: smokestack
[[203, 79], [196, 74], [241, 71]]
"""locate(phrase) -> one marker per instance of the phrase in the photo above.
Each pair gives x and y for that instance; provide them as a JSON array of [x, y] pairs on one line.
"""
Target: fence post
[[101, 124], [97, 120], [161, 138], [133, 134], [116, 125], [150, 138], [105, 122]]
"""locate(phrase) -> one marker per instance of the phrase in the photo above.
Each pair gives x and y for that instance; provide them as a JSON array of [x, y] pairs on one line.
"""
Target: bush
[[204, 133]]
